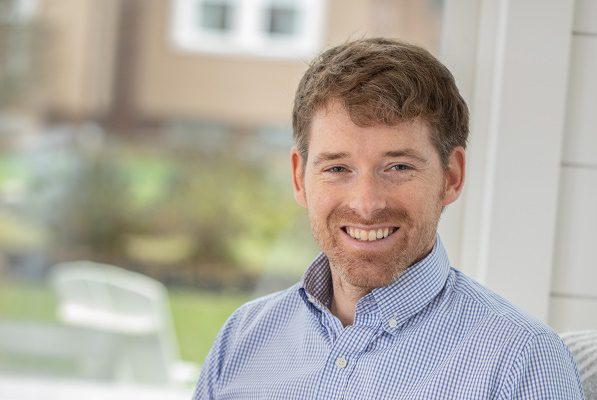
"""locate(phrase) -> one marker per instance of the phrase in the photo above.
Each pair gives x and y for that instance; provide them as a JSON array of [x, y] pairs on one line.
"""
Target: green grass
[[197, 316], [26, 301]]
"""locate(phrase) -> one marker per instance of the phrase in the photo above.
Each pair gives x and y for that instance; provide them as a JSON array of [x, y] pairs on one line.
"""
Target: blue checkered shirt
[[432, 334]]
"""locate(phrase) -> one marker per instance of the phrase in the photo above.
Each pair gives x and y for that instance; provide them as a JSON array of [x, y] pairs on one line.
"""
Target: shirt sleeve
[[208, 378], [544, 369], [211, 369]]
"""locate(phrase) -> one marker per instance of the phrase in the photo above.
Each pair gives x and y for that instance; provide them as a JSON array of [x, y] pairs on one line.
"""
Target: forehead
[[333, 129]]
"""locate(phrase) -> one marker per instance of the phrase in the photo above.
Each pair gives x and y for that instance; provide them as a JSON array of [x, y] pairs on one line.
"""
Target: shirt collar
[[397, 302], [316, 283]]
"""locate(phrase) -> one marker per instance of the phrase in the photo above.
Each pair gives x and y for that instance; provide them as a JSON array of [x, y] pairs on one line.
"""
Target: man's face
[[374, 195]]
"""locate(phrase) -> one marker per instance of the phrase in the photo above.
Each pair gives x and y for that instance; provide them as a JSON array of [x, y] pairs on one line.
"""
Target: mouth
[[369, 235]]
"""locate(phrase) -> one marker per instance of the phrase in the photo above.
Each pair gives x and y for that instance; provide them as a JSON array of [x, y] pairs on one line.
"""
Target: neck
[[344, 300]]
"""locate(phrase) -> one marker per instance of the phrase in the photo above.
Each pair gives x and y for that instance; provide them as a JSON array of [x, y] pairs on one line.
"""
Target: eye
[[336, 169], [400, 167]]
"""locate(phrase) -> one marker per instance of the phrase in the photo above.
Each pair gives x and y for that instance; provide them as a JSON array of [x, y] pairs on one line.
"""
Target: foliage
[[207, 218]]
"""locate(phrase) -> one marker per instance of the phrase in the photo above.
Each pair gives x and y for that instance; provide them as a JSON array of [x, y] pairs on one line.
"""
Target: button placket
[[343, 357]]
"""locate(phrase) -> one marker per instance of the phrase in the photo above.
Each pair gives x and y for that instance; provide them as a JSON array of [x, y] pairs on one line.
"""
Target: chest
[[421, 362]]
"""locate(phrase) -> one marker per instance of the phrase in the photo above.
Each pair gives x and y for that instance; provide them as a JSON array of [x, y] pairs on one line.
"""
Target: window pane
[[215, 15], [179, 174], [282, 20]]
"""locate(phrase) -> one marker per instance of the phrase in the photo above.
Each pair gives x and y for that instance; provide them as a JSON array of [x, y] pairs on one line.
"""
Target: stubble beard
[[369, 270]]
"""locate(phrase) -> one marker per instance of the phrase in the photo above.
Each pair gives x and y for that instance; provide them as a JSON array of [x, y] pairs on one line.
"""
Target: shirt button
[[393, 323], [341, 362]]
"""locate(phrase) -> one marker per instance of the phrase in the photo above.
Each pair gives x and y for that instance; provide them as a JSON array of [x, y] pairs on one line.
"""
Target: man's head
[[382, 82], [380, 132]]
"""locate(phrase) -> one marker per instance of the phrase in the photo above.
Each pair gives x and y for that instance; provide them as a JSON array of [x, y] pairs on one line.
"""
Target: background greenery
[[202, 206], [185, 214], [214, 221]]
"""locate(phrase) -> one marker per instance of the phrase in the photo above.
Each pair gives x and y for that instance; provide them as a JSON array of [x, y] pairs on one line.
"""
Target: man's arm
[[211, 370], [208, 379], [545, 369]]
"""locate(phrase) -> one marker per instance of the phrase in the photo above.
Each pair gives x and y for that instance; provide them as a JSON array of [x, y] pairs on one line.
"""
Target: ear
[[454, 175], [298, 177]]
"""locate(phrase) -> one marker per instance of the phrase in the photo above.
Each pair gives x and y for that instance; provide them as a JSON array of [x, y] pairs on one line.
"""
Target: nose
[[367, 196]]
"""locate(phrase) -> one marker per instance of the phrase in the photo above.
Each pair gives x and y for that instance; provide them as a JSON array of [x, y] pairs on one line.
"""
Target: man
[[380, 132]]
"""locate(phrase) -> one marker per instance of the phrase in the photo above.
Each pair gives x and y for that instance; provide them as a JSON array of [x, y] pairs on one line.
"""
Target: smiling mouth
[[369, 235]]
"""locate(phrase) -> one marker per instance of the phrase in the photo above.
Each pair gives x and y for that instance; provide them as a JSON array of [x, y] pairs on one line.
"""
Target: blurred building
[[206, 76], [140, 62]]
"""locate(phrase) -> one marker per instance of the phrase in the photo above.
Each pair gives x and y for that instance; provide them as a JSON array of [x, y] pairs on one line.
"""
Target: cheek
[[318, 197], [418, 201], [319, 206], [320, 209]]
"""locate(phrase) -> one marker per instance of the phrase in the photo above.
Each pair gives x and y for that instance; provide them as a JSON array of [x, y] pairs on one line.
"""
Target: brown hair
[[382, 81]]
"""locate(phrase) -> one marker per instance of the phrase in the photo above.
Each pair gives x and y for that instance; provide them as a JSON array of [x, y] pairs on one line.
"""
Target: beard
[[368, 270]]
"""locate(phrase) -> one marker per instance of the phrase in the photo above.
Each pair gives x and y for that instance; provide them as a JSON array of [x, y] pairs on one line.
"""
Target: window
[[282, 20], [267, 28], [215, 15]]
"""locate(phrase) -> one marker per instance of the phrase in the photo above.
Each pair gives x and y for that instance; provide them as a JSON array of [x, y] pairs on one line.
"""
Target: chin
[[367, 273], [367, 281]]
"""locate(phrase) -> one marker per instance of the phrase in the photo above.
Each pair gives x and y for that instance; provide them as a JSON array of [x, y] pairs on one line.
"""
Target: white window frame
[[248, 35]]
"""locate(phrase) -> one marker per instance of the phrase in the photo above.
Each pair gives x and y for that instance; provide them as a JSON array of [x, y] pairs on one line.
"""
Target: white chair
[[583, 345], [130, 308]]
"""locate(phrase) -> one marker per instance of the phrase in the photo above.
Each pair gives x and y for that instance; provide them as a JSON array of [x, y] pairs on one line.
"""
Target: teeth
[[371, 235]]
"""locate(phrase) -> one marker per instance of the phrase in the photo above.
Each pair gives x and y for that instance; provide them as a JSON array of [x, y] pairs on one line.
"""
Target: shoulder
[[272, 303], [269, 310], [496, 308], [544, 368], [539, 365], [245, 330]]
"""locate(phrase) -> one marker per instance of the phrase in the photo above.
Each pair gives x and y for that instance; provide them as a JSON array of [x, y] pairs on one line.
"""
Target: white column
[[519, 92]]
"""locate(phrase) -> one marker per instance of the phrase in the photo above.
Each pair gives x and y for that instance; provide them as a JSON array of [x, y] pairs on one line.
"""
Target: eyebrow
[[327, 156], [409, 153]]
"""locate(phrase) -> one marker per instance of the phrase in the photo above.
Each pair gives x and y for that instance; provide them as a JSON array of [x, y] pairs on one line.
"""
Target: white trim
[[493, 125], [460, 20], [247, 36]]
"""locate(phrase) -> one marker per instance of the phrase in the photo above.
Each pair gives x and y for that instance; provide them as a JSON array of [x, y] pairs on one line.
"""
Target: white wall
[[573, 300]]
